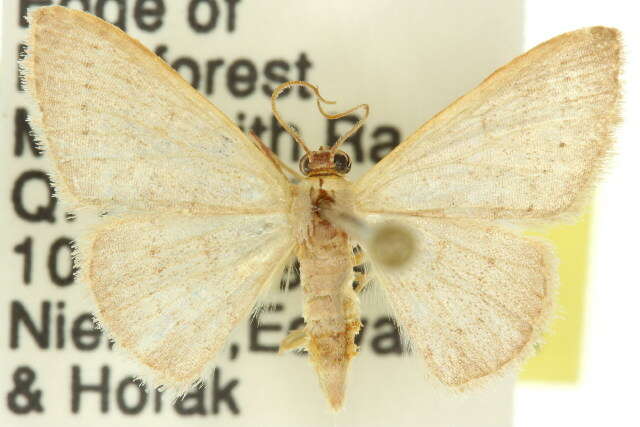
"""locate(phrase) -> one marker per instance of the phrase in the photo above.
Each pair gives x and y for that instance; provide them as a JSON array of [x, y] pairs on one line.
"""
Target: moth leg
[[361, 279], [296, 339]]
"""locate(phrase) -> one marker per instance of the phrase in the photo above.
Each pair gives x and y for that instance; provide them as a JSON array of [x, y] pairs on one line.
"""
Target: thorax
[[315, 201]]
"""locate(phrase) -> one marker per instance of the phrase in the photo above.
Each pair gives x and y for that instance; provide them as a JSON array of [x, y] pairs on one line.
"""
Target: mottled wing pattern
[[199, 222], [125, 130], [169, 288], [526, 144], [473, 299]]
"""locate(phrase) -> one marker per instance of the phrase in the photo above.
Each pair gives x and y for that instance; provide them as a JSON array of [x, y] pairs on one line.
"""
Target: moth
[[203, 218]]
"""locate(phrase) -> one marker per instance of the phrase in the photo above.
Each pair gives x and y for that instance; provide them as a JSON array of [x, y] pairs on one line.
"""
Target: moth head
[[325, 162]]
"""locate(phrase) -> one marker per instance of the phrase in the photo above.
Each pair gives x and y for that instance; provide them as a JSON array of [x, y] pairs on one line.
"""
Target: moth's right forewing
[[124, 130], [526, 145]]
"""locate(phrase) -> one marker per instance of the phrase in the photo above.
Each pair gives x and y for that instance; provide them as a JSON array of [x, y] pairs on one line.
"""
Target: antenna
[[319, 99]]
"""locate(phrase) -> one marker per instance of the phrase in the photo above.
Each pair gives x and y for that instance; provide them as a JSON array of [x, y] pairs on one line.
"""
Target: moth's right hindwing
[[473, 299]]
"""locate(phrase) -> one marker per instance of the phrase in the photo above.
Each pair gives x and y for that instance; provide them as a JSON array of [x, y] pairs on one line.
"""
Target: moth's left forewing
[[123, 130]]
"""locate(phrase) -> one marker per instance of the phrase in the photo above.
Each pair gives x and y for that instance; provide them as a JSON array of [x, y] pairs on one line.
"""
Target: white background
[[607, 392]]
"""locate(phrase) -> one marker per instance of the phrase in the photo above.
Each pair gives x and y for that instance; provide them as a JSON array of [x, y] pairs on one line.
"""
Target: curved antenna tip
[[319, 99]]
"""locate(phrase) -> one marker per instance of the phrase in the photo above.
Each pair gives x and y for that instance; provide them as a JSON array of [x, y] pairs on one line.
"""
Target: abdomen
[[331, 309]]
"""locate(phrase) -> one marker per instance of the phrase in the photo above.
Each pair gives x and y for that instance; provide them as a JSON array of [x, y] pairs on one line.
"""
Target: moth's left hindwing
[[202, 223], [170, 287]]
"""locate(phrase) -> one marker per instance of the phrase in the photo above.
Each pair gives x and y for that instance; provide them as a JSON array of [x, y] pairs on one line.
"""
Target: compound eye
[[342, 162], [304, 165]]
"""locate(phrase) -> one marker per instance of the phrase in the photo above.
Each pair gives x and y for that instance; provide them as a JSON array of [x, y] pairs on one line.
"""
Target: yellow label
[[558, 359]]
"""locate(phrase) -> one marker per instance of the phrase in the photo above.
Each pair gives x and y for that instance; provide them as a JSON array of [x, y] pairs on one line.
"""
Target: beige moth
[[203, 218]]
